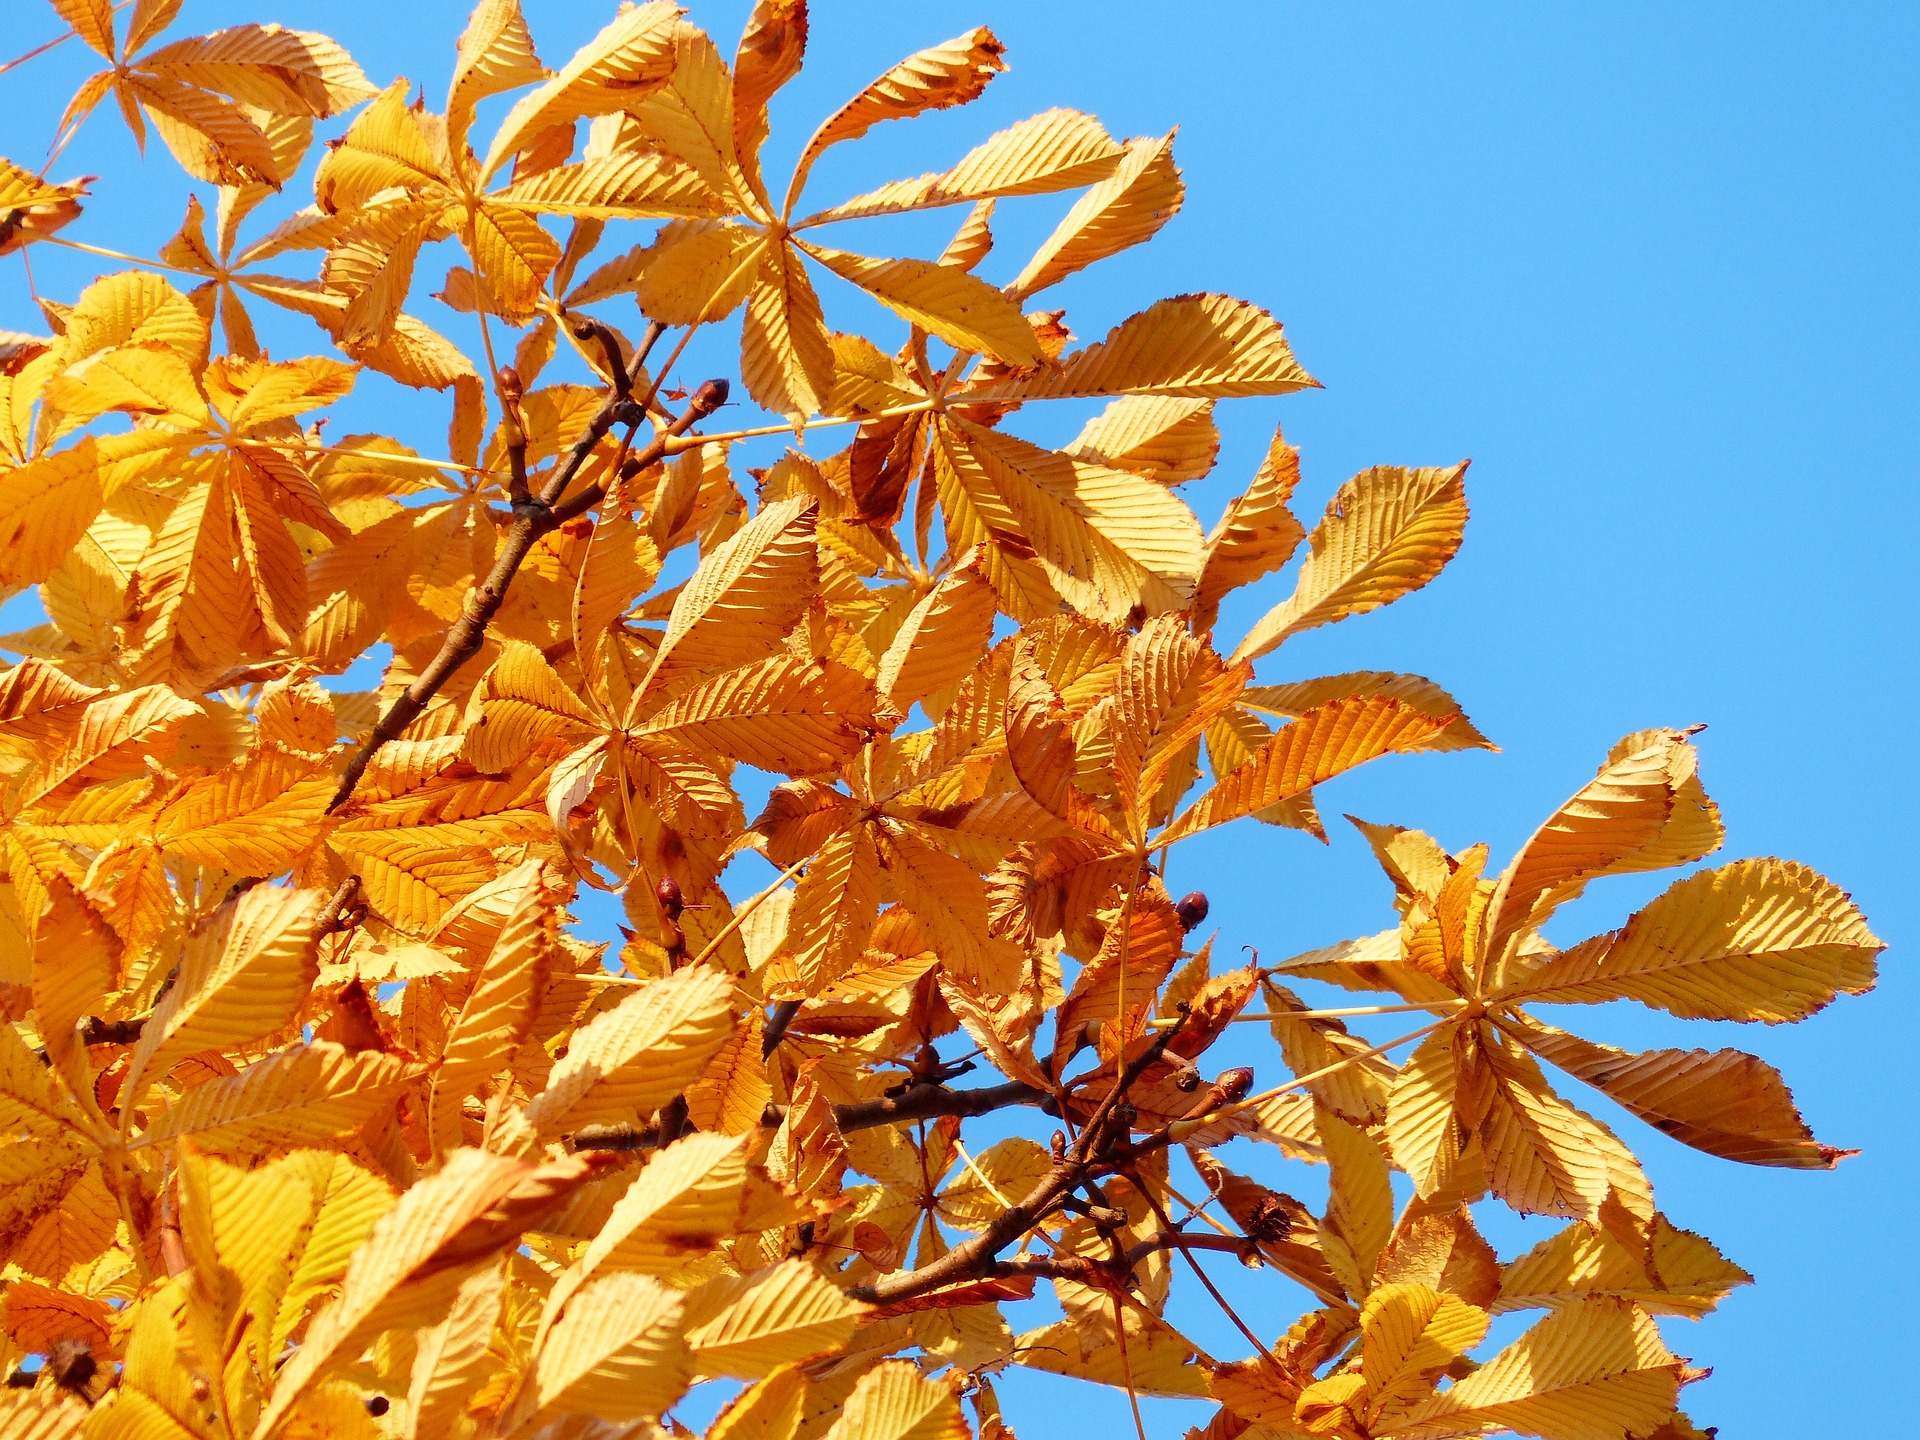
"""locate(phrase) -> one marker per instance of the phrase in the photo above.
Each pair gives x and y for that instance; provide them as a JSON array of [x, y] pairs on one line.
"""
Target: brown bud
[[711, 395], [667, 892], [1192, 909], [377, 1405], [511, 385], [1235, 1084]]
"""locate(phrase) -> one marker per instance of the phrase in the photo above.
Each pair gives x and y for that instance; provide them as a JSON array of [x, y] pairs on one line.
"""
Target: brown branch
[[532, 521], [1086, 1270], [975, 1257], [920, 1102], [925, 1102]]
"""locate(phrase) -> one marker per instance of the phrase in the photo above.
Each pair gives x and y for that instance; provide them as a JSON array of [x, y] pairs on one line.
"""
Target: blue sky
[[1653, 268]]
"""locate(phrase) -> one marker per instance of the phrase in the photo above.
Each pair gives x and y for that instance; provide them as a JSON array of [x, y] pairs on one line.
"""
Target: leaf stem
[[1432, 1007], [120, 255]]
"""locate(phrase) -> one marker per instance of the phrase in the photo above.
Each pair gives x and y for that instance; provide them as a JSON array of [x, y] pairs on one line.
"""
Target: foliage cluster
[[320, 1117]]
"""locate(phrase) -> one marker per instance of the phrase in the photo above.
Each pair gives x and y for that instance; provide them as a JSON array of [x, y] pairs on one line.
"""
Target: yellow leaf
[[772, 46], [1198, 346], [1591, 1371], [746, 594], [1359, 1201], [521, 702], [241, 977], [451, 1358], [943, 636], [1409, 1333], [1169, 439], [1677, 1273], [1125, 209], [283, 72], [1158, 1360], [1420, 1106], [786, 713], [1645, 810], [638, 1055], [305, 1095], [894, 1401], [1324, 742], [47, 504], [786, 1312], [419, 1254], [495, 54], [732, 1095], [75, 966], [1357, 1092], [615, 187], [34, 208], [42, 1415], [1387, 532], [615, 1353], [1054, 150], [950, 74], [92, 21], [633, 55], [1542, 1158], [786, 357], [386, 148], [1755, 940], [1104, 540], [212, 138], [499, 1008], [1724, 1102], [966, 312], [1421, 694], [683, 1204], [253, 818]]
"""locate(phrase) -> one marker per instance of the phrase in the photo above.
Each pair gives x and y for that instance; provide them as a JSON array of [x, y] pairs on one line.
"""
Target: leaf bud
[[377, 1405], [711, 395], [1192, 909], [667, 892], [1234, 1084]]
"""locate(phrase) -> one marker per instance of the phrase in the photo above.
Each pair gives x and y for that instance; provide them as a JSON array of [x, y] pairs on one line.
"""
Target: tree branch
[[920, 1102]]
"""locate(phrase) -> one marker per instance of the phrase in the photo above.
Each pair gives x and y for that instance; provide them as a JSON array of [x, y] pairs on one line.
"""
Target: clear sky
[[1653, 268]]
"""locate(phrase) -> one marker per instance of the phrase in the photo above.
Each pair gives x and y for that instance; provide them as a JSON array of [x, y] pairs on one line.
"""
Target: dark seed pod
[[667, 892], [71, 1364], [378, 1405], [1269, 1219], [1235, 1084], [1192, 909]]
